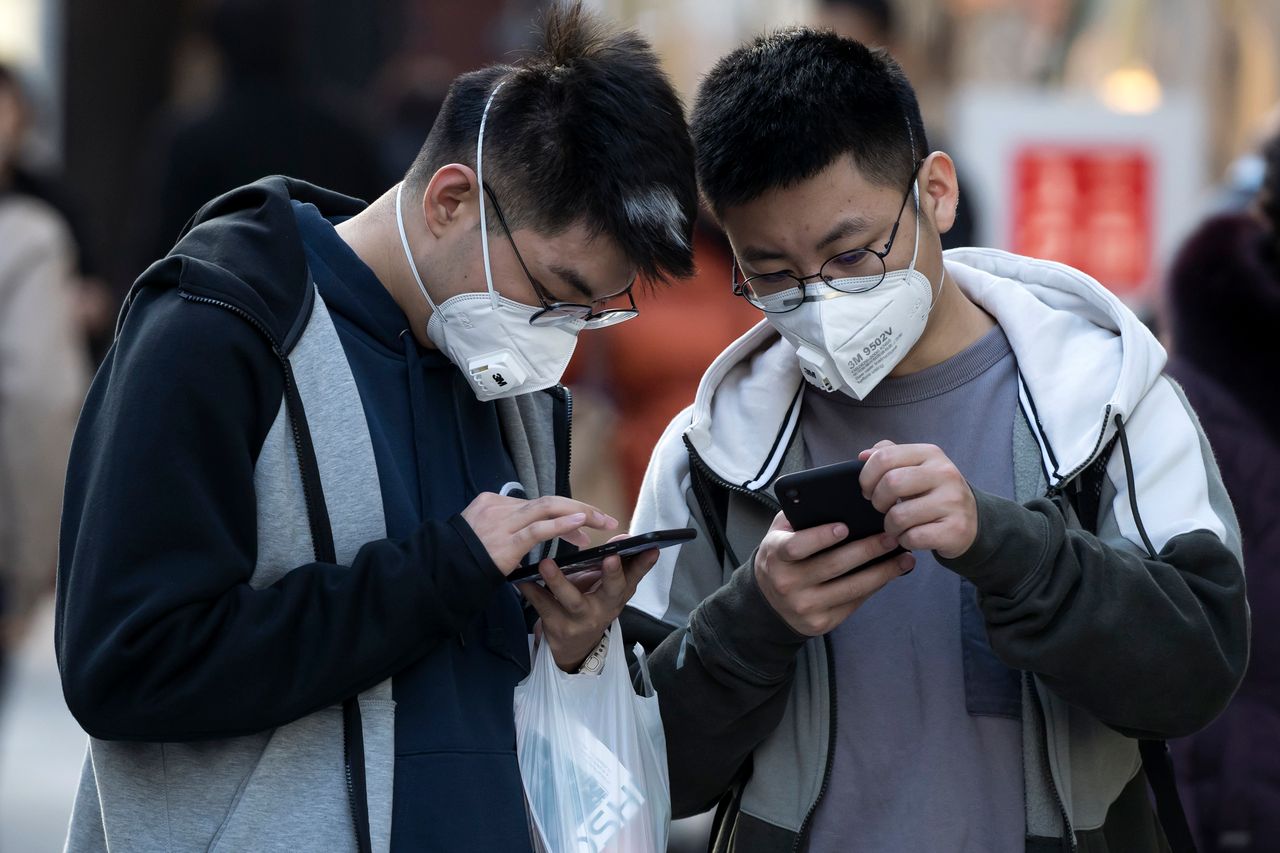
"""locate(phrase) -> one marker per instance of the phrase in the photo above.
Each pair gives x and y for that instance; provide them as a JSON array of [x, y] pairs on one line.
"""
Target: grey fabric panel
[[85, 833], [518, 445], [529, 430], [1043, 817], [295, 798], [153, 796], [282, 790], [278, 488], [1028, 471], [790, 765], [692, 582], [340, 436], [1103, 762]]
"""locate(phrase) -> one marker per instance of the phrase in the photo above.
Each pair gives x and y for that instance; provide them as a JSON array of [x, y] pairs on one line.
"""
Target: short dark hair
[[586, 129], [785, 106]]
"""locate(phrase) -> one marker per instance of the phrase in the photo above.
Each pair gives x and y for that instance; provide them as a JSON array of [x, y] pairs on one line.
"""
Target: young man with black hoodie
[[1074, 582], [325, 434]]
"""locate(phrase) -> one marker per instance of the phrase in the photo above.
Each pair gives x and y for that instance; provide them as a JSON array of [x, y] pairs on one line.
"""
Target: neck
[[373, 236], [955, 324]]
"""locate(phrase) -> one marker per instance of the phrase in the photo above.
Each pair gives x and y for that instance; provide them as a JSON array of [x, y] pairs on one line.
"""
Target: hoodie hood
[[244, 249], [1083, 358]]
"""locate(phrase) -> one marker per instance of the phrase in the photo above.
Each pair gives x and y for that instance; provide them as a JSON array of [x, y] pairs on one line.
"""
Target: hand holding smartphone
[[830, 494], [592, 557]]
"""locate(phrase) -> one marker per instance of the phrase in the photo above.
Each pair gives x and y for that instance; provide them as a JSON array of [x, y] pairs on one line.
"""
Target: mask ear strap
[[484, 217], [915, 196], [408, 254]]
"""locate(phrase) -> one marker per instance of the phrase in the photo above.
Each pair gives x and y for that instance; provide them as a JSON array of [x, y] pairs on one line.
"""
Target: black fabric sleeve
[[159, 635], [1154, 647], [722, 684]]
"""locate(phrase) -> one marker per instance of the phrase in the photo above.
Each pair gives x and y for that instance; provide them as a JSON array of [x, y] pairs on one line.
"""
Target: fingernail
[[906, 564], [577, 518], [839, 531], [888, 542]]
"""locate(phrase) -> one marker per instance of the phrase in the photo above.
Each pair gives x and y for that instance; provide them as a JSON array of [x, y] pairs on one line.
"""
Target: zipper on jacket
[[351, 788], [567, 399], [1063, 479], [831, 746], [759, 496], [1048, 769]]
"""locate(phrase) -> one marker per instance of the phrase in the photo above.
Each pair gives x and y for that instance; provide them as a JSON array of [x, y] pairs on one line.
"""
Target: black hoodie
[[159, 635]]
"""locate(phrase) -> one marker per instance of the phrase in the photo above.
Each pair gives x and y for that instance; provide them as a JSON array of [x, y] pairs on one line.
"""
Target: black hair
[[587, 129], [788, 104], [879, 12]]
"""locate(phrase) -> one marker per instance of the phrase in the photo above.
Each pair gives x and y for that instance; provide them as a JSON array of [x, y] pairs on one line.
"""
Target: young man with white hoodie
[[1074, 585]]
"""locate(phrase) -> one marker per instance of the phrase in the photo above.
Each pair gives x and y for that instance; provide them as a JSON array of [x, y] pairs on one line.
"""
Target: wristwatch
[[594, 663]]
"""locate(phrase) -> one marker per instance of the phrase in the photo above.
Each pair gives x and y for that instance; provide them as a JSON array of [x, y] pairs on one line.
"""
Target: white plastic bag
[[593, 757]]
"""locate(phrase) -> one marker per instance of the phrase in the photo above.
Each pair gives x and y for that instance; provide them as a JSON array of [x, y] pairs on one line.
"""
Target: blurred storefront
[[1091, 131]]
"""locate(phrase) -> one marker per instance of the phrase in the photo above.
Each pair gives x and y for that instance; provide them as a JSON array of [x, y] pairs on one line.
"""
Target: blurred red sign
[[1086, 206]]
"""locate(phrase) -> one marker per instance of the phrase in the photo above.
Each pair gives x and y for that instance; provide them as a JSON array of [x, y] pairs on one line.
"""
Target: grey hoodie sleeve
[[1152, 645]]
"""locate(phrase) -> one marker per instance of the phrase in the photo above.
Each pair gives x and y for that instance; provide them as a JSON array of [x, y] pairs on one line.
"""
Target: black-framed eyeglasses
[[554, 310], [855, 271]]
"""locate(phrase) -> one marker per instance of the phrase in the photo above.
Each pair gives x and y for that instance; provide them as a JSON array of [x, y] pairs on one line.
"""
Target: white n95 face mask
[[488, 336], [851, 341]]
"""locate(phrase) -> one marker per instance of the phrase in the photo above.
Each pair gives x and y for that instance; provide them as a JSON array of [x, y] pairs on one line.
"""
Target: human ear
[[451, 199], [940, 190]]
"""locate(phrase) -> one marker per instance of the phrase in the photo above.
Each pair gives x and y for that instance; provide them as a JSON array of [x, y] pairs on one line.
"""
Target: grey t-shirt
[[913, 770]]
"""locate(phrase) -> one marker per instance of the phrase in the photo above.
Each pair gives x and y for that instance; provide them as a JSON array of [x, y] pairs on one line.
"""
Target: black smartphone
[[830, 494], [593, 557]]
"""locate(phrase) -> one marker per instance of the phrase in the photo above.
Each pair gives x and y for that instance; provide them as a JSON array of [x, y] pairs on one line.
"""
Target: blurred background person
[[43, 377], [260, 122], [26, 176], [1223, 307]]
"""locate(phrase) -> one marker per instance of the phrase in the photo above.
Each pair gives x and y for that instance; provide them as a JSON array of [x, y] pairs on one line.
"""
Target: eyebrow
[[571, 278], [843, 229]]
